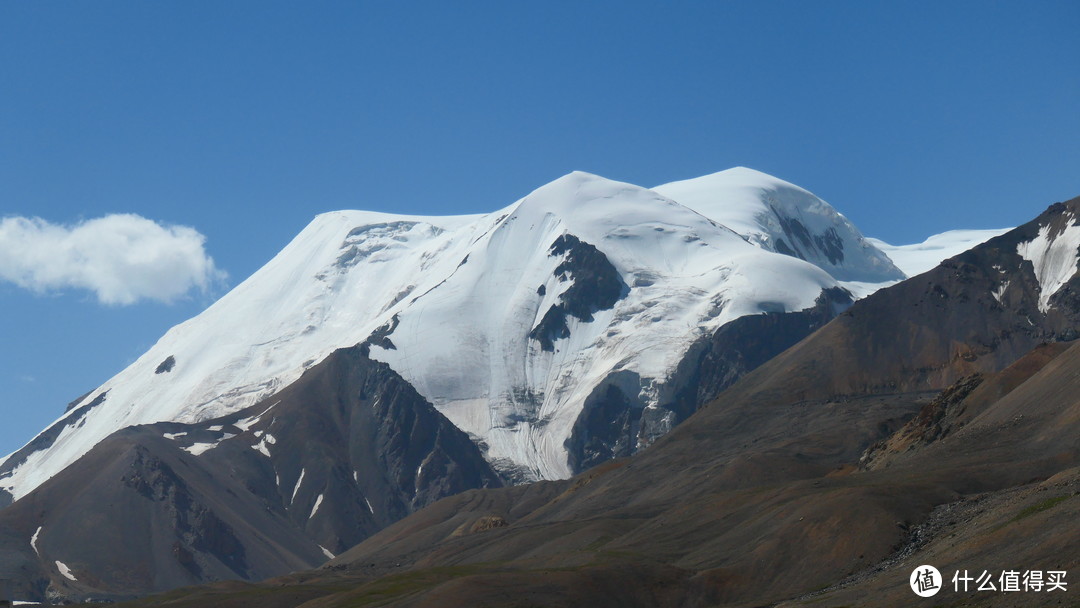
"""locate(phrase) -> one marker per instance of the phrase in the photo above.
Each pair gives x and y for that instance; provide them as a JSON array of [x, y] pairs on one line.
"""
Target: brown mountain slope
[[733, 532], [998, 493], [274, 488], [1032, 430]]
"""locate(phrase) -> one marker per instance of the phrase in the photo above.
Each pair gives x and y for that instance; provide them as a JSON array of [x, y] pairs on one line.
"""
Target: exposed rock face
[[610, 423], [595, 285], [345, 451], [381, 336], [827, 244], [957, 406], [166, 365], [745, 344], [616, 423], [934, 421]]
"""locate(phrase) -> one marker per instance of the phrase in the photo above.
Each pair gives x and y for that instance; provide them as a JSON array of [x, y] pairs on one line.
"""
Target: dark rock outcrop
[[595, 285], [381, 336], [615, 422], [743, 345], [609, 423], [166, 365]]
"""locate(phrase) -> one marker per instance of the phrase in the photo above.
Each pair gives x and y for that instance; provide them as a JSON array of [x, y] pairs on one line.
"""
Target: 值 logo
[[925, 581]]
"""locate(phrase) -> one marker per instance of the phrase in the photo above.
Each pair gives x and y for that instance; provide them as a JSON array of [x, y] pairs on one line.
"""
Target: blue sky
[[242, 120]]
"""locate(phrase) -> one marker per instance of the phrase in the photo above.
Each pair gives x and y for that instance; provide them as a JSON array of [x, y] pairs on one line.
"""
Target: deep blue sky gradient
[[245, 119]]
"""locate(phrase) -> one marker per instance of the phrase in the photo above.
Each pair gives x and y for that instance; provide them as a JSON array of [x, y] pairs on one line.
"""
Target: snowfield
[[453, 305], [918, 258]]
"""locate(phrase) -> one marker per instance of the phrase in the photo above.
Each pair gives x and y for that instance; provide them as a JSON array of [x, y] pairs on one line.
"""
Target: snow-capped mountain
[[382, 362], [507, 322]]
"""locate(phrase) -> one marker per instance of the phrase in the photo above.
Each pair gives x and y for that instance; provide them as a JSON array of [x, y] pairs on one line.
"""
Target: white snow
[[197, 449], [247, 423], [174, 436], [1054, 257], [315, 509], [695, 255], [327, 552], [917, 258], [861, 289], [62, 567], [33, 540], [1000, 291], [261, 448], [370, 510], [266, 440], [200, 448], [296, 488]]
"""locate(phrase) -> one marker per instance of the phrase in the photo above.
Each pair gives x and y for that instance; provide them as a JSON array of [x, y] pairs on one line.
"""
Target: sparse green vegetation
[[407, 583], [600, 542], [1038, 508]]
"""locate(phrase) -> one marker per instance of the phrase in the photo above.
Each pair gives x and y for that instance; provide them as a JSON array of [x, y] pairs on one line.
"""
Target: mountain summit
[[782, 217]]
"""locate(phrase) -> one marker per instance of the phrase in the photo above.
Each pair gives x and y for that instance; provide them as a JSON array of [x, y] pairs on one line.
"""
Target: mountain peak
[[782, 217], [747, 177], [585, 198]]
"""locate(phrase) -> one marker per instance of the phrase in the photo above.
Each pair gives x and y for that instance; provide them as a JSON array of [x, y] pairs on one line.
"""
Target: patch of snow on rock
[[196, 449], [1000, 291], [261, 448], [296, 488], [1054, 257], [62, 567]]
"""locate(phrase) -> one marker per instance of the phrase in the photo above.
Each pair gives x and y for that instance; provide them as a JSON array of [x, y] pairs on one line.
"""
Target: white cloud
[[122, 258]]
